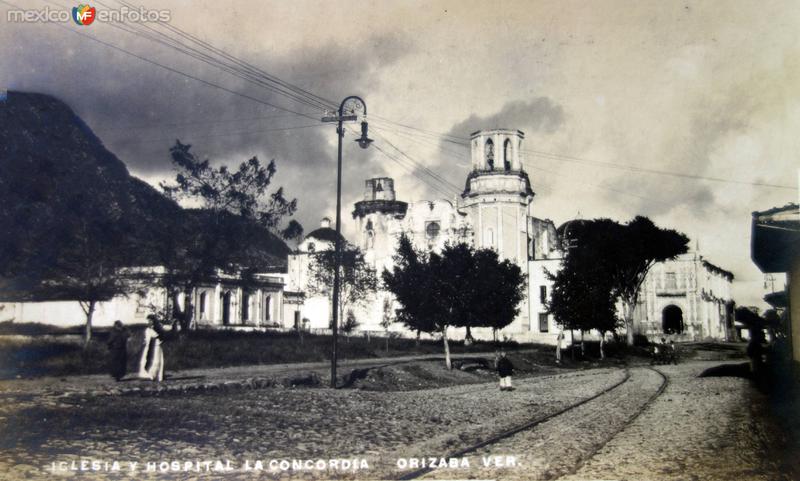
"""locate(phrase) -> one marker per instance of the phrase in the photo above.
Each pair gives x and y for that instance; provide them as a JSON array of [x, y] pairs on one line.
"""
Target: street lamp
[[349, 110]]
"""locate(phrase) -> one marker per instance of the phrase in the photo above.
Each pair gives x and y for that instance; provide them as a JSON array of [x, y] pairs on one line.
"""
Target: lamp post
[[349, 110]]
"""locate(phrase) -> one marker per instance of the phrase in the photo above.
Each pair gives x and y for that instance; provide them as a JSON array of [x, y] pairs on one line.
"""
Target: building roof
[[778, 300], [786, 209], [775, 238], [718, 270]]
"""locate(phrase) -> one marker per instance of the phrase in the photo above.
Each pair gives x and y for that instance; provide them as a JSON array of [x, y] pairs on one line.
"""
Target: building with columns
[[220, 301]]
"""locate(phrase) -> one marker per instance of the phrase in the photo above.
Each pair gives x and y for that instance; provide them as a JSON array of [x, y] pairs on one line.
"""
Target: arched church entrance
[[672, 319], [226, 308]]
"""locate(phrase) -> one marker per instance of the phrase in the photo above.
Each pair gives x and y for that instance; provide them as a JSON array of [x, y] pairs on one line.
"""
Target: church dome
[[324, 234]]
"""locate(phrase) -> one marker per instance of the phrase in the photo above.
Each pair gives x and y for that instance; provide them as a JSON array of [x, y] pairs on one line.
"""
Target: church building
[[494, 211], [688, 298]]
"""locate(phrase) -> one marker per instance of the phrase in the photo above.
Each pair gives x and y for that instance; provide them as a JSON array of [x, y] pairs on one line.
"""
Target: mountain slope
[[58, 181]]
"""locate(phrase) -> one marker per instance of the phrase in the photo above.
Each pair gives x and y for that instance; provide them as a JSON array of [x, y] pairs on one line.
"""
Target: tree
[[350, 324], [412, 284], [89, 267], [458, 287], [499, 290], [407, 282], [624, 253], [233, 230], [357, 279], [582, 299]]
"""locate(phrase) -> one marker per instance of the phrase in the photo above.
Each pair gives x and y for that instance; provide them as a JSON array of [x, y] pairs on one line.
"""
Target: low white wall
[[70, 313]]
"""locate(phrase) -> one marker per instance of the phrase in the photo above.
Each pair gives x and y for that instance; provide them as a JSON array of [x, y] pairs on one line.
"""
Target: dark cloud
[[139, 109], [538, 116]]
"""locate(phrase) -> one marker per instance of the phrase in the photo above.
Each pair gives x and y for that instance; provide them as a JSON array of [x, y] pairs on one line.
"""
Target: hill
[[58, 182]]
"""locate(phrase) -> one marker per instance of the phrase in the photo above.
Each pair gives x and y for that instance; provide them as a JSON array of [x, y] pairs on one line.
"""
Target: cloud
[[539, 115], [139, 109]]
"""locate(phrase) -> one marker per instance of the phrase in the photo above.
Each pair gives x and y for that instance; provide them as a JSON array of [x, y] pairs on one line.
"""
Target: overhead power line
[[206, 52]]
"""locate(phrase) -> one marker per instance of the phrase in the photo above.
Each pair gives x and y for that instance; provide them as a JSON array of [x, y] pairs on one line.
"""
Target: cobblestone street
[[698, 428]]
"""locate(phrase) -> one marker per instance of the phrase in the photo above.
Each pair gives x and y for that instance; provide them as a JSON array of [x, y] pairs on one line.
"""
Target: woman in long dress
[[151, 365]]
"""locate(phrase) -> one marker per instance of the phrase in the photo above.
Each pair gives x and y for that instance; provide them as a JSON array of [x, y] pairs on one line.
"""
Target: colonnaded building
[[688, 298]]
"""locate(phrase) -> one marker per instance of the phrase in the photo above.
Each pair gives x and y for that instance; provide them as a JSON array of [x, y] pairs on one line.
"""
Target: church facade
[[685, 299], [494, 211], [688, 297]]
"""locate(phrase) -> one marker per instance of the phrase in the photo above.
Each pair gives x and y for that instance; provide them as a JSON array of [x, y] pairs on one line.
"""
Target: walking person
[[151, 364], [118, 350], [505, 369]]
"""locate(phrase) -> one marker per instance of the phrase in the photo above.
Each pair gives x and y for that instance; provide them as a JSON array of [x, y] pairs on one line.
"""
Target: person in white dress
[[151, 365]]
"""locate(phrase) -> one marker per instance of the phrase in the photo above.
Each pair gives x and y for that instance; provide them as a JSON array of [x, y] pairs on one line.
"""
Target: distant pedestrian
[[673, 352], [151, 364], [505, 369], [558, 346], [755, 351], [118, 350]]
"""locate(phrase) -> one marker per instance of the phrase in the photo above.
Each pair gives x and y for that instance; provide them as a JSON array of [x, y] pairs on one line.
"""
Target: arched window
[[311, 247], [488, 237], [432, 230], [489, 151], [507, 154]]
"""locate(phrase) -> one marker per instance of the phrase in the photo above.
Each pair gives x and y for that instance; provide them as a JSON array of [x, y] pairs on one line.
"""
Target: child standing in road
[[505, 369]]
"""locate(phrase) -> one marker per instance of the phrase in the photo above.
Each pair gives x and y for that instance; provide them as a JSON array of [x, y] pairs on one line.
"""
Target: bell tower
[[498, 194], [377, 218]]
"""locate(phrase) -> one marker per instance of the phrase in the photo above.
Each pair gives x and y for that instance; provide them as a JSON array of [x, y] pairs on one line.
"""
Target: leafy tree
[[457, 287], [350, 324], [581, 299], [499, 290], [624, 254], [231, 229], [407, 282], [357, 279], [88, 267]]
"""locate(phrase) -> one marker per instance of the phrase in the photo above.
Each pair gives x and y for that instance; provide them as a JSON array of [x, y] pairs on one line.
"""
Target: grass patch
[[49, 354]]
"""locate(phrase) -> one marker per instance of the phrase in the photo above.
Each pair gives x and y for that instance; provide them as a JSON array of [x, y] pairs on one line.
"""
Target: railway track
[[596, 405], [523, 382]]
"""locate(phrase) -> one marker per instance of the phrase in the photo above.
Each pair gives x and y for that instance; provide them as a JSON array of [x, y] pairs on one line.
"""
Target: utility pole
[[349, 110]]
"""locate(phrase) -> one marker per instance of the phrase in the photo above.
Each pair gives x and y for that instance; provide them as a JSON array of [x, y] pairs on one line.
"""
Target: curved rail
[[639, 411], [527, 425]]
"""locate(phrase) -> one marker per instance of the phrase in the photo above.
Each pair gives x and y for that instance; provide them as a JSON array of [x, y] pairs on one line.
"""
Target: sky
[[606, 93]]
